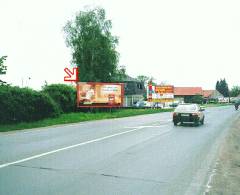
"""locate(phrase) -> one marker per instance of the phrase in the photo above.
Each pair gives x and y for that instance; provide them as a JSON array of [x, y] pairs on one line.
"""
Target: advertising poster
[[161, 93], [96, 94]]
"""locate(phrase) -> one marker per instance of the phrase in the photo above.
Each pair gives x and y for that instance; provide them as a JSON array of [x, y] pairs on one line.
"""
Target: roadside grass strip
[[80, 117]]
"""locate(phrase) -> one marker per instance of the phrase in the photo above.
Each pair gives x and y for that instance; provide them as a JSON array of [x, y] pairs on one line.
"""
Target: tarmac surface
[[135, 155]]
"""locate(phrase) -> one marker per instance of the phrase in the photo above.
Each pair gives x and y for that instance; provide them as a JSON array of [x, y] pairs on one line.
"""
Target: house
[[211, 96], [181, 94], [134, 90]]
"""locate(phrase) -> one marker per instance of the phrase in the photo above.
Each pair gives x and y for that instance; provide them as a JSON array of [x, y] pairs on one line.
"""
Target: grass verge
[[80, 117], [227, 177]]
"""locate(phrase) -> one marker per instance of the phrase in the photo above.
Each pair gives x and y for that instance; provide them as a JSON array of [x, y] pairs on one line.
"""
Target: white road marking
[[213, 173], [42, 128], [166, 120], [67, 148], [146, 126]]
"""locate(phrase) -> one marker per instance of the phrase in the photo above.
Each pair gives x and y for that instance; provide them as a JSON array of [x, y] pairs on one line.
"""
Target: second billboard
[[160, 93]]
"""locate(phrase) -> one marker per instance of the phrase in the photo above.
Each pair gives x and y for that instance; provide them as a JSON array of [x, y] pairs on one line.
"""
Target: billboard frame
[[100, 106]]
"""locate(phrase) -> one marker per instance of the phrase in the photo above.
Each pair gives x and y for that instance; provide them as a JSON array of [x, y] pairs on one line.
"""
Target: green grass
[[80, 117]]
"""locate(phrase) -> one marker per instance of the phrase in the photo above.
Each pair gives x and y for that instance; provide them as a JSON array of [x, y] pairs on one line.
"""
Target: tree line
[[222, 87]]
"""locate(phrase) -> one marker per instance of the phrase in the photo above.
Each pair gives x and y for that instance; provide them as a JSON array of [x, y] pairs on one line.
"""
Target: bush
[[24, 104], [63, 95], [198, 99]]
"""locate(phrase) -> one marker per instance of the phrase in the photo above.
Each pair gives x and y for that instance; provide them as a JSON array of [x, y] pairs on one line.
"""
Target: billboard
[[96, 94], [160, 93]]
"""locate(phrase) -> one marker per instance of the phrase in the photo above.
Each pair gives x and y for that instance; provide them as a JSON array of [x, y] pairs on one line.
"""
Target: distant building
[[181, 93], [211, 96], [134, 91]]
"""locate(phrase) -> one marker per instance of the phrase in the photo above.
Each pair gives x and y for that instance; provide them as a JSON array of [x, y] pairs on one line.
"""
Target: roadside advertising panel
[[160, 93], [96, 94]]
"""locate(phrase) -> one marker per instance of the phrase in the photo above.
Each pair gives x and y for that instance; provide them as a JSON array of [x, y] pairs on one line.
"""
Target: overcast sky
[[181, 42]]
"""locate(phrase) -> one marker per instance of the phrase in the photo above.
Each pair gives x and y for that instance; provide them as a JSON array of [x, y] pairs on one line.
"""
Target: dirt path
[[226, 180]]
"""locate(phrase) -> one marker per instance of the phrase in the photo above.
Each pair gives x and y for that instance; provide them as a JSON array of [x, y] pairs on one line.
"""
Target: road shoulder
[[226, 179]]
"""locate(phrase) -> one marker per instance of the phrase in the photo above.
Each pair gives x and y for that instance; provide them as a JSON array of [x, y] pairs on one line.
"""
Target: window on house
[[139, 85]]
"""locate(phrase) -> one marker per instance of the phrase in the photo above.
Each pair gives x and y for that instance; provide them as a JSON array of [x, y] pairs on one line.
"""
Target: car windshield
[[186, 108]]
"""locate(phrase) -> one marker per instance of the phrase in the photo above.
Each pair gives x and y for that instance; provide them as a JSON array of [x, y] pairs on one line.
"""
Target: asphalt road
[[134, 155]]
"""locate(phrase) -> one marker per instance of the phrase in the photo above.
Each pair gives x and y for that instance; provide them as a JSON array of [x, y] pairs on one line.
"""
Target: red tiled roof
[[181, 91], [207, 93]]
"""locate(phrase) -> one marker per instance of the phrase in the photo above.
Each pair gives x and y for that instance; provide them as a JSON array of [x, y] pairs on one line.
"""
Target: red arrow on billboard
[[71, 75]]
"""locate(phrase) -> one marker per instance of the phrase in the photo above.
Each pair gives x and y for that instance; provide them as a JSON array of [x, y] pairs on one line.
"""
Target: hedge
[[24, 104], [63, 95]]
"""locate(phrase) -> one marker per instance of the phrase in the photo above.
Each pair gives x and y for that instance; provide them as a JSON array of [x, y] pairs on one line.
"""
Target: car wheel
[[196, 123]]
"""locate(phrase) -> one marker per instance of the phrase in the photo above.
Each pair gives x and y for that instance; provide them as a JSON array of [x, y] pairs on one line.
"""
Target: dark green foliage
[[197, 99], [235, 91], [3, 68], [143, 78], [222, 87], [24, 104], [120, 74], [93, 46], [217, 86], [63, 95]]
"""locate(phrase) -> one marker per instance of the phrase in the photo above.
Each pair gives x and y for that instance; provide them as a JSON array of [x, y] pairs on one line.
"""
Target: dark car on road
[[189, 114]]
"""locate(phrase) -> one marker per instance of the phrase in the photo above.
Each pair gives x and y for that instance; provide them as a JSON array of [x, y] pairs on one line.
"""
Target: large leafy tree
[[3, 68], [93, 46], [222, 87], [120, 74], [235, 91]]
